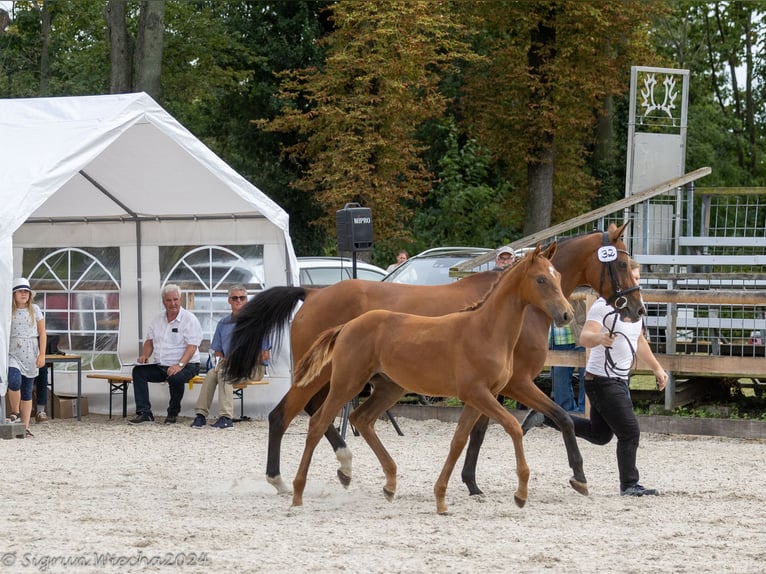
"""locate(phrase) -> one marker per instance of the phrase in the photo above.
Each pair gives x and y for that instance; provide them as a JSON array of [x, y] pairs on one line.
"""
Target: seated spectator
[[220, 349], [174, 337]]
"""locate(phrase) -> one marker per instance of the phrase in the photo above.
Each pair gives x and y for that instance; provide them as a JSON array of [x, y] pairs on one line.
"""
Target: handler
[[613, 344]]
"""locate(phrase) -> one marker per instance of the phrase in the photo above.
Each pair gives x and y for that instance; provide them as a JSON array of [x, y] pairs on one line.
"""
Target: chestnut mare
[[468, 354], [266, 315]]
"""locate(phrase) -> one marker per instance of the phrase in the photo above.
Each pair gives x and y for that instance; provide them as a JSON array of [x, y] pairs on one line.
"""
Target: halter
[[607, 254]]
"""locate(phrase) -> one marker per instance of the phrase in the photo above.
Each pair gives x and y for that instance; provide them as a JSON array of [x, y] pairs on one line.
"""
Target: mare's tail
[[260, 322], [315, 359]]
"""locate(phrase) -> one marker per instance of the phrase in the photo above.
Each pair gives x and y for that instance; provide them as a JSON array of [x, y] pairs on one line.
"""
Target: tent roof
[[115, 156], [111, 157]]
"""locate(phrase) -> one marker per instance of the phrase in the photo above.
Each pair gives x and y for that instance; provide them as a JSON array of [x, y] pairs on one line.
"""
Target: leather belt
[[596, 378]]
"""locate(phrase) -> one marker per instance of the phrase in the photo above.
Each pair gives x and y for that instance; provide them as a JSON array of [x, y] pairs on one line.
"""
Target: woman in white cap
[[26, 351]]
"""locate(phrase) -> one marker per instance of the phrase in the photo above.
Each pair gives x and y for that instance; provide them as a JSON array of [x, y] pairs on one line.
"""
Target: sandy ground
[[101, 496]]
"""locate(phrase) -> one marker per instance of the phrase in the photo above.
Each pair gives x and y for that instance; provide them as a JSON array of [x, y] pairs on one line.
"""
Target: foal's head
[[542, 285]]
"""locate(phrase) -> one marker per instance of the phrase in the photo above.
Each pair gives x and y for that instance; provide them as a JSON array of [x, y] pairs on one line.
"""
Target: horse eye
[[541, 280]]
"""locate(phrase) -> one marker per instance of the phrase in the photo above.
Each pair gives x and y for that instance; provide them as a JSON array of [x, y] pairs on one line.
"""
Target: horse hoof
[[520, 502], [344, 479], [581, 487], [388, 494], [279, 484], [479, 497]]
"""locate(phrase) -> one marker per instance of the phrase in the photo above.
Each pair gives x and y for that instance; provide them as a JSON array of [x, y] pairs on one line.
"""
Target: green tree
[[463, 208], [358, 114], [535, 102]]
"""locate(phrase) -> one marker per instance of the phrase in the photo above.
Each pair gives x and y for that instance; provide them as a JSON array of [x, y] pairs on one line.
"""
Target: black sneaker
[[638, 490], [171, 419], [199, 422], [142, 418], [223, 423], [532, 420]]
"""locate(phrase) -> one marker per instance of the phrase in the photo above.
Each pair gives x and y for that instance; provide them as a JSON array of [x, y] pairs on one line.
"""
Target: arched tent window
[[78, 290], [205, 274]]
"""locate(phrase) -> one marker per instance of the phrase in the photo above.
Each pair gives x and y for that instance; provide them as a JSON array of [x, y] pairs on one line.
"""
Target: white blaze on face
[[552, 270]]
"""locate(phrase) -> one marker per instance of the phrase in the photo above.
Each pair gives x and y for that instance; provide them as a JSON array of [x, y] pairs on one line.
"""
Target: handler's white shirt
[[621, 352], [171, 338]]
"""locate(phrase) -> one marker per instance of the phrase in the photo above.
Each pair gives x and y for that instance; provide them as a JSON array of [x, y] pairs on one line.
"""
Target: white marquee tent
[[118, 170]]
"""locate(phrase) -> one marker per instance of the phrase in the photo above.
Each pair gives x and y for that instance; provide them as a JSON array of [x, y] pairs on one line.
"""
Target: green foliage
[[463, 208], [429, 113]]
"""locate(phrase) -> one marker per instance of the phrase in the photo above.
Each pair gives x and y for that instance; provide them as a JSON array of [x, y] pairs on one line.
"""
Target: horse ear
[[616, 232], [538, 248], [551, 251]]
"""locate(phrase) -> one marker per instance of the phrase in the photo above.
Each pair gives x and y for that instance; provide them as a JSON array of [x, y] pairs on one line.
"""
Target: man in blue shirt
[[220, 349]]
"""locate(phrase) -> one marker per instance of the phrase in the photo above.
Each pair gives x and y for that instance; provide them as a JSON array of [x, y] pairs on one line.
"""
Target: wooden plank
[[702, 365], [111, 377], [698, 241], [700, 259], [707, 296], [709, 323]]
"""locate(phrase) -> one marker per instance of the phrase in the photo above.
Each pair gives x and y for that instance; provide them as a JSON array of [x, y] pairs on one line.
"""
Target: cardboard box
[[65, 406]]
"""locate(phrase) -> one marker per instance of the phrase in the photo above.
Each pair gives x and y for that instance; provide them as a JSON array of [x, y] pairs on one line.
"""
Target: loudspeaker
[[354, 227]]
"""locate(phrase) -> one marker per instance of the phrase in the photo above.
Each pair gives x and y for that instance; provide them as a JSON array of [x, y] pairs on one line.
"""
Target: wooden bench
[[118, 383], [239, 389]]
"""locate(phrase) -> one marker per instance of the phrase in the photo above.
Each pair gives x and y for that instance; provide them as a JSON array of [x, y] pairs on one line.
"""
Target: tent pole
[[139, 290]]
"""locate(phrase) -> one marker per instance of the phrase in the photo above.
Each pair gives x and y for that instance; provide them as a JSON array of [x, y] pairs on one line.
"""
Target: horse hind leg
[[384, 395], [468, 418], [318, 423], [468, 475]]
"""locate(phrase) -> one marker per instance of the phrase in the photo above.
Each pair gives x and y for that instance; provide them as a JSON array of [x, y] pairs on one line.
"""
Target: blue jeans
[[562, 384], [18, 382], [144, 374]]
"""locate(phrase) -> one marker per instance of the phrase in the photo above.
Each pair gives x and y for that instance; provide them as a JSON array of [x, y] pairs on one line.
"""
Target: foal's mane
[[500, 274], [493, 286]]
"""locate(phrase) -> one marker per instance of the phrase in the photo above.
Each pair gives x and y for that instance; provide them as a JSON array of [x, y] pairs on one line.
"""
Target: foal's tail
[[315, 359], [260, 322]]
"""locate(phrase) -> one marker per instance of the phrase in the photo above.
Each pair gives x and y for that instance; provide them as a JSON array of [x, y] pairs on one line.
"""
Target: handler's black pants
[[611, 414]]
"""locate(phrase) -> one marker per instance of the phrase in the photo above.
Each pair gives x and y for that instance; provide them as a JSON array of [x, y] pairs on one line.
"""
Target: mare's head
[[608, 271], [541, 286]]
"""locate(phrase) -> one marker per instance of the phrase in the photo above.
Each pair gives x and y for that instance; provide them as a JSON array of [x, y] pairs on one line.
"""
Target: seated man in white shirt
[[174, 337]]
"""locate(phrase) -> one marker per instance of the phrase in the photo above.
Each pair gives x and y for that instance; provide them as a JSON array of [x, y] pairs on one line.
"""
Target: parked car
[[431, 267], [324, 271]]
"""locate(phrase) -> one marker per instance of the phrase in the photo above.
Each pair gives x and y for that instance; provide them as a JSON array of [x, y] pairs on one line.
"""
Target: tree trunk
[[539, 191], [149, 42], [45, 38], [540, 166], [120, 72]]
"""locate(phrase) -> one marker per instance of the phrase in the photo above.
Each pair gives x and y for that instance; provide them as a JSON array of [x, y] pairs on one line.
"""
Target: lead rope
[[609, 364]]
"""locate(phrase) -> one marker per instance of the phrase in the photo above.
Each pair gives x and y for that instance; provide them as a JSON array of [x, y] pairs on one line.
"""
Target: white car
[[324, 271]]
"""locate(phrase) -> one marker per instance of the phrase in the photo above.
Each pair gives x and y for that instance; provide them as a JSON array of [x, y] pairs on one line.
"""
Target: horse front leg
[[467, 419], [478, 432], [526, 392], [494, 410]]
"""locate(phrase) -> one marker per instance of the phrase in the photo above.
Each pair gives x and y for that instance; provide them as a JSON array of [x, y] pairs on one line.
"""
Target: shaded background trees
[[456, 122]]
